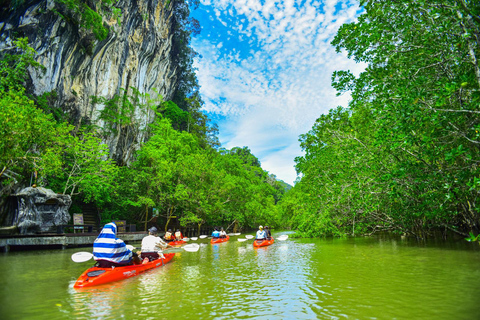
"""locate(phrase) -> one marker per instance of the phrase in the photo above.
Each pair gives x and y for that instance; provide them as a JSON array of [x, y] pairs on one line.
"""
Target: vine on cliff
[[91, 12]]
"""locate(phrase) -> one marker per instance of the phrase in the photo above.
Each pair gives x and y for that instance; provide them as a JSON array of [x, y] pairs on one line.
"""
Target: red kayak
[[96, 276], [177, 242], [262, 243], [219, 240]]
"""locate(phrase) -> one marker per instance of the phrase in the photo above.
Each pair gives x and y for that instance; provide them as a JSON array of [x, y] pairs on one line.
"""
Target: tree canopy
[[404, 156]]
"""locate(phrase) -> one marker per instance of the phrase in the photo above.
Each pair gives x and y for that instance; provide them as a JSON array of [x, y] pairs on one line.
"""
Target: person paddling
[[109, 251], [268, 234], [260, 234], [168, 235], [216, 233], [223, 233], [152, 245], [178, 235]]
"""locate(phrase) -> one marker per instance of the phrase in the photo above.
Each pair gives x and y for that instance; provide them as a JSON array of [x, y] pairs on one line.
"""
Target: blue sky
[[265, 72]]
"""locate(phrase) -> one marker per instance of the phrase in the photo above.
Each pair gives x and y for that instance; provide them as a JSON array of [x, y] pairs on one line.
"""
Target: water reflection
[[361, 278], [98, 302]]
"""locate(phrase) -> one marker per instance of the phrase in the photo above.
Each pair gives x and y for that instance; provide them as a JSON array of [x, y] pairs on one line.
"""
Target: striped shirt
[[108, 247]]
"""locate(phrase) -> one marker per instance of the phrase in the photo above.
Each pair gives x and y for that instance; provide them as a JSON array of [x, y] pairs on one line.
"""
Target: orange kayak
[[262, 243], [97, 276], [219, 240], [176, 242]]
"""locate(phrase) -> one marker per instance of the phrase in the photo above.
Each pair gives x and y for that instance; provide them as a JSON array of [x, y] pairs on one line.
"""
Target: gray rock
[[41, 210]]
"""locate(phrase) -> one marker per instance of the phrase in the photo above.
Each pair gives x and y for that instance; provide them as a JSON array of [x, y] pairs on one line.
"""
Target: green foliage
[[472, 237], [198, 185], [91, 17], [404, 156], [33, 144], [177, 116], [30, 141], [14, 66], [182, 54]]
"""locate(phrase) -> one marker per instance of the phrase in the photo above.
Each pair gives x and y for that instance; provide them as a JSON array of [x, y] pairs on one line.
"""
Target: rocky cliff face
[[136, 53]]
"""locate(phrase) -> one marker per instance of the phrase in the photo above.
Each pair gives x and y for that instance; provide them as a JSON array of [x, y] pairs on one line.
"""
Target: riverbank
[[59, 241]]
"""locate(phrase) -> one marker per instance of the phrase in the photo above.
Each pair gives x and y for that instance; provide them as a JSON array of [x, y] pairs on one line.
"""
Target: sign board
[[77, 220], [121, 225]]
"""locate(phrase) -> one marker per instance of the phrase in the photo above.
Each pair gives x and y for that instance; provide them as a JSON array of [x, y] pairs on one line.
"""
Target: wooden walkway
[[54, 240]]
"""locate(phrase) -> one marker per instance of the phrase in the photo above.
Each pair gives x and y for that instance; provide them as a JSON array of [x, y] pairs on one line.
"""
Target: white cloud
[[273, 90]]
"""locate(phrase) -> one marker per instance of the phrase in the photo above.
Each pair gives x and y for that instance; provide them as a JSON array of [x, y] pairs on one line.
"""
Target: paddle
[[192, 247], [85, 256], [81, 256], [194, 238], [247, 237], [283, 237], [203, 236]]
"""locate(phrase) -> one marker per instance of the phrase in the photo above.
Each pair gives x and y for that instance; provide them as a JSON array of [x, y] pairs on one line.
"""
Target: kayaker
[[216, 233], [178, 235], [260, 234], [268, 234], [152, 245], [168, 235], [223, 234], [109, 251]]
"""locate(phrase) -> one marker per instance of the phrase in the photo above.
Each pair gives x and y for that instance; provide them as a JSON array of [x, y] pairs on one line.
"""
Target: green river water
[[361, 278]]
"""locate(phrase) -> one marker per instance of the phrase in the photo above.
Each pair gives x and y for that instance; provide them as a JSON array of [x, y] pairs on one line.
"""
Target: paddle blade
[[237, 234], [185, 239], [193, 247], [241, 240], [249, 236], [130, 247], [194, 238], [283, 237], [81, 256], [203, 236]]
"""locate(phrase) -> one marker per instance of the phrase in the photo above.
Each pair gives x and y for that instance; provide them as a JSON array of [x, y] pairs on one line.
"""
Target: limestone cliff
[[137, 53]]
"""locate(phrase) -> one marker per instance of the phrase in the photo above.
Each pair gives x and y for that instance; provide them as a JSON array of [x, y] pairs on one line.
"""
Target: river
[[361, 278]]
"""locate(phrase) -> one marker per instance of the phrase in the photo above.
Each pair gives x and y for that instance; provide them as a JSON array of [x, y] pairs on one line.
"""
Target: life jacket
[[216, 234], [178, 235], [168, 235]]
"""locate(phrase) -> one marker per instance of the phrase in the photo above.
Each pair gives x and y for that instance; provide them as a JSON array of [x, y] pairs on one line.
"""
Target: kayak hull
[[96, 276], [177, 242], [219, 240], [263, 243]]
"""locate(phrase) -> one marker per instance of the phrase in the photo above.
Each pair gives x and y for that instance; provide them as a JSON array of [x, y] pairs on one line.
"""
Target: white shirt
[[152, 244], [261, 234]]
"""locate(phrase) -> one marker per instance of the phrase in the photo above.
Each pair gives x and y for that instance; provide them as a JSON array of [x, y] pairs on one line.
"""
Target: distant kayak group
[[117, 261]]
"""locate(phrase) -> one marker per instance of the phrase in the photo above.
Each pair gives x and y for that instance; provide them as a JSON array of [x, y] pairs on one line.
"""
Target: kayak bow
[[219, 240], [177, 242], [263, 243]]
